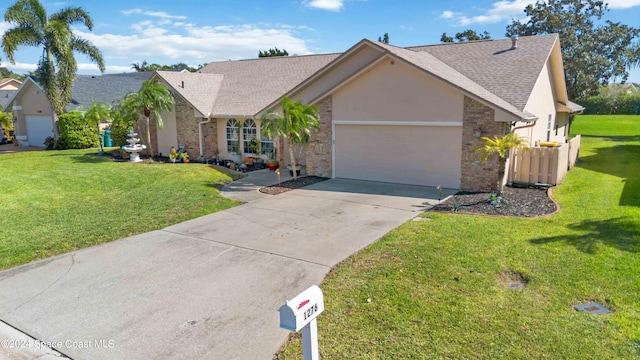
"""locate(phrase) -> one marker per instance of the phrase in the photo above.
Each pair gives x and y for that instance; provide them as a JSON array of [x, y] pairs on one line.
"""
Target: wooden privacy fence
[[544, 165]]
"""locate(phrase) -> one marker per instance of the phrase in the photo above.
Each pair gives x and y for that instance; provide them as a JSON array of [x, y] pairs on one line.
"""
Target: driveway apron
[[208, 288]]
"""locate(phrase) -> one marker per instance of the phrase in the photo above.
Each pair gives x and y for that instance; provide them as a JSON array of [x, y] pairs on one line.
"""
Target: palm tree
[[95, 114], [151, 99], [140, 67], [57, 66], [294, 124], [501, 147]]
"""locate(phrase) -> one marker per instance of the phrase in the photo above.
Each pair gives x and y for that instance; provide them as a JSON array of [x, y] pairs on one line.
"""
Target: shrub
[[119, 130], [49, 142], [75, 133]]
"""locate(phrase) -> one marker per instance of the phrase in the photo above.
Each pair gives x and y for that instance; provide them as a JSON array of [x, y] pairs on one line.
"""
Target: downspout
[[201, 158]]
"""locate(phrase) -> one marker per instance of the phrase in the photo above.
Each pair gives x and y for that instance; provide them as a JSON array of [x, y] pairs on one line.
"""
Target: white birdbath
[[133, 148]]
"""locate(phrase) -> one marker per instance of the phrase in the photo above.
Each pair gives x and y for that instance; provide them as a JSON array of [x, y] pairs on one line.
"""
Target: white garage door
[[423, 154], [38, 129]]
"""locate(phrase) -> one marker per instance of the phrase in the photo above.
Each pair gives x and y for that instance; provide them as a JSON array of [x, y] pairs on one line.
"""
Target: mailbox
[[302, 309]]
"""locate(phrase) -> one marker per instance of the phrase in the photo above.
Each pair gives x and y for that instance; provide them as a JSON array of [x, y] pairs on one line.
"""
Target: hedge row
[[624, 104]]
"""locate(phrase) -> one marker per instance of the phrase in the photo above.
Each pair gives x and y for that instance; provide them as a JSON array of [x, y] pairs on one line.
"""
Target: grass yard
[[54, 202], [432, 289]]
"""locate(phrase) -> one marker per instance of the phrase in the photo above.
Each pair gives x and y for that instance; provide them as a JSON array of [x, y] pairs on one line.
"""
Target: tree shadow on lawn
[[619, 233], [622, 161], [91, 158]]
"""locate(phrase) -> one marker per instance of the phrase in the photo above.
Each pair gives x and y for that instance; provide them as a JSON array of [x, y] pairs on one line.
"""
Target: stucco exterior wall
[[542, 103], [394, 91], [356, 61], [167, 135], [478, 121]]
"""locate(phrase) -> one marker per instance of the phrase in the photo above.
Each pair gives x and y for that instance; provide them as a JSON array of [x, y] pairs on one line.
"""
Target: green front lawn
[[432, 289], [52, 202]]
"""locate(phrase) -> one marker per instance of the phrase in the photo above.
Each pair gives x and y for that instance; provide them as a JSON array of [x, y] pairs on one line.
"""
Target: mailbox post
[[300, 313]]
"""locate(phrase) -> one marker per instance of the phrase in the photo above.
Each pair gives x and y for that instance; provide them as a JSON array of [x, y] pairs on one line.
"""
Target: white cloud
[[155, 41], [159, 14], [331, 5], [194, 45], [4, 26], [623, 4], [19, 67], [500, 11], [505, 10], [446, 14]]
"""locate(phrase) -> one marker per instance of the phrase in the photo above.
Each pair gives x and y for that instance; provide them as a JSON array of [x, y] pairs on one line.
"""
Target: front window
[[266, 146], [233, 144], [249, 132], [549, 122]]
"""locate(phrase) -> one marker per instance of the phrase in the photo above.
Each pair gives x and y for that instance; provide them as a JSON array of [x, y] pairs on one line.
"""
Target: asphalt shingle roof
[[197, 88], [509, 74], [105, 88], [5, 97], [251, 85]]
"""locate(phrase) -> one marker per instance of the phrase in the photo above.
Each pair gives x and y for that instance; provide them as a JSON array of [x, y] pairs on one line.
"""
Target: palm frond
[[87, 48], [500, 145], [73, 15], [21, 35]]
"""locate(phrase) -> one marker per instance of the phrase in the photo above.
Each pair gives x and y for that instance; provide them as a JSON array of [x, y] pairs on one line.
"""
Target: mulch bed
[[291, 184], [515, 202]]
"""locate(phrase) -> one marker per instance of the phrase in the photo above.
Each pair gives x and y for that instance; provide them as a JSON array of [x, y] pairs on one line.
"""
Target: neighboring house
[[5, 97], [8, 88], [405, 115], [33, 112], [10, 84]]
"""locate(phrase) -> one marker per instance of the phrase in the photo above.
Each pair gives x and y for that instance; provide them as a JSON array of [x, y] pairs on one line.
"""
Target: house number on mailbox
[[310, 311]]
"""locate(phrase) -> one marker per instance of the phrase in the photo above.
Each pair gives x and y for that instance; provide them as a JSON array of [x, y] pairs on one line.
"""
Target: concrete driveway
[[208, 288]]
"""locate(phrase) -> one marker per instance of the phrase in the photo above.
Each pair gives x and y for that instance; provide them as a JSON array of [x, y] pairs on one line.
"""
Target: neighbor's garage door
[[38, 129], [416, 155]]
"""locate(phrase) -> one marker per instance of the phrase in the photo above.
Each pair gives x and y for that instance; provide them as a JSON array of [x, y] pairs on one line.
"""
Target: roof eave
[[332, 64], [233, 116]]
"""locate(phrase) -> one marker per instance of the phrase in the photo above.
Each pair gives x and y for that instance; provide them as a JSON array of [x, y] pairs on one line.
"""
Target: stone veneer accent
[[478, 121], [187, 131], [187, 125], [319, 151]]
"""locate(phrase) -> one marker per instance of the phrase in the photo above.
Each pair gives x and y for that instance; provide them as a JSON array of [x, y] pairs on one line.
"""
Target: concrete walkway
[[13, 148], [208, 288], [247, 188]]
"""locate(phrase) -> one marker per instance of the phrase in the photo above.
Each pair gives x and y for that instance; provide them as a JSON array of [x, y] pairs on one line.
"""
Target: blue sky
[[202, 31]]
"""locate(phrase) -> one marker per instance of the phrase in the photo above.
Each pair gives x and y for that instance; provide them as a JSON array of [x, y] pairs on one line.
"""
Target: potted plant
[[173, 155], [185, 157], [235, 154], [273, 163], [297, 169], [254, 147]]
